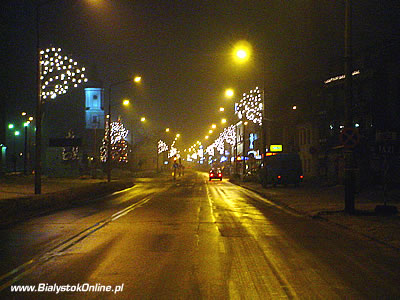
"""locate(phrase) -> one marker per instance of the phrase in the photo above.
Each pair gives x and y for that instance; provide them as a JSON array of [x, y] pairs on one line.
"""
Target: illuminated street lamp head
[[26, 124], [213, 126], [206, 137], [30, 119], [221, 109], [16, 133], [166, 129], [10, 126], [229, 93], [242, 51], [137, 79], [142, 119], [178, 135], [125, 102], [223, 121], [23, 113], [294, 107], [210, 131]]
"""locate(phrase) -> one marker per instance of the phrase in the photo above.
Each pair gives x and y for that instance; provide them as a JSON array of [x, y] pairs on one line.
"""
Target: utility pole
[[349, 168]]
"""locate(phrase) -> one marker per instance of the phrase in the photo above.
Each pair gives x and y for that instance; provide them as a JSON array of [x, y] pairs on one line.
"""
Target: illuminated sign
[[276, 148]]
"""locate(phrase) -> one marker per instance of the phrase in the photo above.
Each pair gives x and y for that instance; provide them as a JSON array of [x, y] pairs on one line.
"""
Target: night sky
[[182, 49]]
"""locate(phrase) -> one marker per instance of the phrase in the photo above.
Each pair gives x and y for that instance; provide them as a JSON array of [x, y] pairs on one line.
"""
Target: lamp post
[[349, 168], [41, 93], [26, 125], [137, 79], [242, 52]]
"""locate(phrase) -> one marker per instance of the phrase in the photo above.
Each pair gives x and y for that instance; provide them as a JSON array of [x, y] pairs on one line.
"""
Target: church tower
[[94, 108]]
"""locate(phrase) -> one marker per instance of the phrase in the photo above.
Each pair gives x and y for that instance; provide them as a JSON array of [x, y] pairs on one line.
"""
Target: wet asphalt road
[[194, 239]]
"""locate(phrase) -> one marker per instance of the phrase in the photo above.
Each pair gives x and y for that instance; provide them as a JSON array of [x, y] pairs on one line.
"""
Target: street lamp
[[137, 79], [242, 52], [229, 93]]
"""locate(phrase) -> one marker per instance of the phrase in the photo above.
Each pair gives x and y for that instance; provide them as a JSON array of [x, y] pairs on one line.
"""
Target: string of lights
[[250, 107], [162, 146], [58, 73], [118, 143]]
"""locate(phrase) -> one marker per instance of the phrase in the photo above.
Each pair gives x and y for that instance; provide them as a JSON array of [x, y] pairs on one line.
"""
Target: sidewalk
[[327, 203], [18, 186]]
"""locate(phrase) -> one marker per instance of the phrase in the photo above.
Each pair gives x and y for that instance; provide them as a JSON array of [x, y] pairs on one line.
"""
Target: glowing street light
[[142, 119], [229, 93], [213, 126], [221, 109], [108, 161], [223, 121], [166, 129], [242, 51], [126, 102]]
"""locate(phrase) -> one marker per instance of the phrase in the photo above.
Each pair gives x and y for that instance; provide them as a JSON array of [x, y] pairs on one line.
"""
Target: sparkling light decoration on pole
[[119, 145], [250, 107], [162, 146], [228, 135], [58, 73]]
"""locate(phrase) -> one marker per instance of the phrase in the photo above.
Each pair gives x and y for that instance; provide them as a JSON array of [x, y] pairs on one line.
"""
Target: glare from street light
[[23, 113], [242, 51], [223, 121], [229, 93], [137, 79], [10, 126], [126, 102], [16, 133], [166, 129], [178, 135], [221, 109], [210, 131], [142, 119], [294, 107], [213, 126]]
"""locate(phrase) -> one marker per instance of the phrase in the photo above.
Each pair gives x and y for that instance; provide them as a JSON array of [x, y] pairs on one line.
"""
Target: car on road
[[215, 173]]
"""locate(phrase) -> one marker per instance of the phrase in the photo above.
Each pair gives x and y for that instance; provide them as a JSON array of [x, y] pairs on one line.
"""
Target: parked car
[[282, 168], [215, 174]]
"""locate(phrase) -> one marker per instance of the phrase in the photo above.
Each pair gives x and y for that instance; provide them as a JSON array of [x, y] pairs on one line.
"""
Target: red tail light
[[301, 176], [219, 175], [211, 175], [279, 176]]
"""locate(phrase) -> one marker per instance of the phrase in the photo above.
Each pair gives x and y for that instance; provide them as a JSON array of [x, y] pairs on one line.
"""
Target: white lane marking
[[29, 266]]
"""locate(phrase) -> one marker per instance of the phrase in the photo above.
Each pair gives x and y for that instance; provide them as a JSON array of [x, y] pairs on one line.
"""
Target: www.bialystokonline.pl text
[[75, 288]]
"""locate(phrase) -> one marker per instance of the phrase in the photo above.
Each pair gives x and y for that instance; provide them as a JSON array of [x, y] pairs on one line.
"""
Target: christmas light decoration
[[119, 144], [228, 135], [58, 73], [70, 153], [340, 77], [250, 107], [172, 152], [162, 146]]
